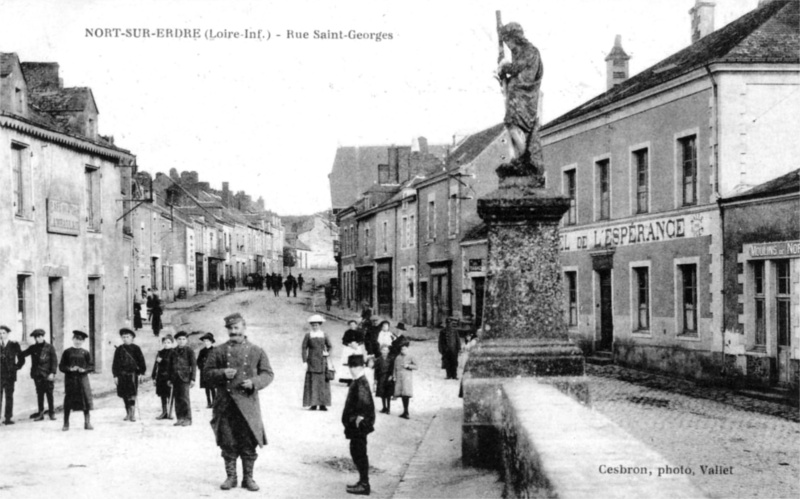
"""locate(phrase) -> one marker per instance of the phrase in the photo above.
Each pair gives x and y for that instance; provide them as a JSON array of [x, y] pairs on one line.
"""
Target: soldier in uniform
[[44, 365], [76, 364], [358, 418], [238, 369], [11, 361], [127, 368], [182, 372]]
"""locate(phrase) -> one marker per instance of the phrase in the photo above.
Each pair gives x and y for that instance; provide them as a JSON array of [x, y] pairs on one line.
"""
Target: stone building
[[67, 244], [318, 234], [644, 165], [761, 279]]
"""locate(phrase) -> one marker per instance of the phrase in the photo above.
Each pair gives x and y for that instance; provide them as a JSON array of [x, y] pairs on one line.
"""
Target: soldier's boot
[[87, 421], [230, 469], [66, 420], [248, 463], [132, 410]]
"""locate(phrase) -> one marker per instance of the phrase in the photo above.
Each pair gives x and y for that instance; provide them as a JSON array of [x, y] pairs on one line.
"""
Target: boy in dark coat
[[76, 364], [11, 361], [127, 368], [202, 356], [238, 369], [44, 365], [182, 372], [358, 418], [161, 376]]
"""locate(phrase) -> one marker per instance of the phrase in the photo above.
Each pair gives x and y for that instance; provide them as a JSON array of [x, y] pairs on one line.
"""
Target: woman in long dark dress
[[315, 350], [76, 364], [137, 313], [156, 319]]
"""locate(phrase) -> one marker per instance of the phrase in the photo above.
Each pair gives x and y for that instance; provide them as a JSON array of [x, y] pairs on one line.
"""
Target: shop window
[[642, 298], [784, 309], [688, 305], [760, 306]]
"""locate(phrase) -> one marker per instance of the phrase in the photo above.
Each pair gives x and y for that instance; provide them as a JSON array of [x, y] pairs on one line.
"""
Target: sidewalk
[[103, 383]]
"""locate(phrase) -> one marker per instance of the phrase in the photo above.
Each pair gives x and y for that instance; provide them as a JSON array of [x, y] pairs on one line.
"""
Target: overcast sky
[[267, 115]]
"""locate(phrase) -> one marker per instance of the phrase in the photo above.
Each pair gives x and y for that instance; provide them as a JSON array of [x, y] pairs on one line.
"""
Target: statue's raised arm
[[521, 79]]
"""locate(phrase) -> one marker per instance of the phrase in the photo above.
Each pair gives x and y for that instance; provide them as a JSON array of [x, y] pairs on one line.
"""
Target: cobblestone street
[[759, 440]]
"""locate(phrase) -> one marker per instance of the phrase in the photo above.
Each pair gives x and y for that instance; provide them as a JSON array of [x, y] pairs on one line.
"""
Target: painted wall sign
[[63, 217], [650, 231], [190, 257], [775, 250]]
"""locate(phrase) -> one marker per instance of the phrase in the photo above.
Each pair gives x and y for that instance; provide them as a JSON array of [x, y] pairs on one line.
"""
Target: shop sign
[[775, 250], [63, 217]]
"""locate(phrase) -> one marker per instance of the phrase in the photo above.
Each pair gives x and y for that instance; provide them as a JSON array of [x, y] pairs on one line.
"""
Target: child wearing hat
[[76, 364], [44, 365], [182, 372], [202, 355], [160, 376], [358, 418], [127, 368]]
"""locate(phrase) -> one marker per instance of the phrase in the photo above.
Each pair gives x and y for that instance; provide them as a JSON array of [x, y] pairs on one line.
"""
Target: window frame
[[681, 265], [571, 292], [93, 202], [637, 269], [569, 188], [602, 163], [639, 169]]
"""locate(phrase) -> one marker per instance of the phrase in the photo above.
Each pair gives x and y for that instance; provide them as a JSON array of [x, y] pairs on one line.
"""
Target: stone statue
[[520, 80]]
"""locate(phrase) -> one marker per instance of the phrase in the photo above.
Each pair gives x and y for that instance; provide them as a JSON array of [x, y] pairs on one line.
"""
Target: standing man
[[358, 419], [128, 368], [238, 369], [11, 361], [44, 365], [182, 371], [300, 281], [449, 347]]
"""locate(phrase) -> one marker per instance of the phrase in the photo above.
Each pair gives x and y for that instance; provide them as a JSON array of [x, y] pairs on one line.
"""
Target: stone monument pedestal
[[524, 334]]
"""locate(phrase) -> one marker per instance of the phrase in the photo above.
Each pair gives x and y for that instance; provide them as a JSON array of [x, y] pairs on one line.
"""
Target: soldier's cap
[[181, 334], [37, 332], [79, 334], [125, 330], [355, 361], [209, 337], [511, 29], [233, 319]]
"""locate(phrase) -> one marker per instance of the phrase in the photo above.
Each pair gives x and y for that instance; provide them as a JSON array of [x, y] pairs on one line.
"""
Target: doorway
[[199, 272], [95, 317], [423, 303], [606, 311]]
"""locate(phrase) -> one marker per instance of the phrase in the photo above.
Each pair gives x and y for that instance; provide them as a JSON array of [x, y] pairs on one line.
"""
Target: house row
[[680, 248]]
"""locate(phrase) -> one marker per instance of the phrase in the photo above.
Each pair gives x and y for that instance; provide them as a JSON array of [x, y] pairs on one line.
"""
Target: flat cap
[[37, 332], [125, 330], [79, 334]]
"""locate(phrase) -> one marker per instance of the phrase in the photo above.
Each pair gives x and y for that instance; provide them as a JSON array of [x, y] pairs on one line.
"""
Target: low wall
[[553, 446]]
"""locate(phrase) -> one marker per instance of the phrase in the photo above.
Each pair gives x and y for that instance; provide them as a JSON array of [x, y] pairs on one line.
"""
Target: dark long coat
[[202, 357], [359, 403], [161, 372], [11, 360], [44, 360], [77, 390], [127, 366], [182, 365], [156, 317], [250, 362]]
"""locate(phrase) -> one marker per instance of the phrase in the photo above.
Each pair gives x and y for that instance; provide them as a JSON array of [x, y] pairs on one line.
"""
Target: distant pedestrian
[[288, 285], [316, 351], [11, 361], [182, 372], [128, 368], [358, 418], [44, 365], [160, 376], [149, 304], [300, 281], [384, 387], [221, 283], [76, 364], [328, 297], [449, 348], [137, 312], [294, 288], [404, 365], [238, 369], [156, 312], [208, 342]]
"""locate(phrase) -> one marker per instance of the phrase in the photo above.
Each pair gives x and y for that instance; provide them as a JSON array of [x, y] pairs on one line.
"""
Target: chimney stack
[[616, 64], [702, 19]]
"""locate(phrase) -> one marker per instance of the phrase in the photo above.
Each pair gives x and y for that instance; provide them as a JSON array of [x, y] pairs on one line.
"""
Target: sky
[[267, 114]]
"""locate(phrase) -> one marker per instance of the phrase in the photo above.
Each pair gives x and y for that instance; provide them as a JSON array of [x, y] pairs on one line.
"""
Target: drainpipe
[[715, 111]]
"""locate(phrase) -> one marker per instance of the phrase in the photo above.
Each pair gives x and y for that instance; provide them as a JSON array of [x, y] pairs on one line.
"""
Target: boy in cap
[[358, 418], [160, 376], [44, 365], [11, 361], [202, 356], [182, 372], [127, 368], [76, 363], [238, 369]]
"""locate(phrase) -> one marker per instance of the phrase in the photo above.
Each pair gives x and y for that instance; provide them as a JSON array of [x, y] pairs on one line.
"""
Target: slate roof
[[473, 145], [478, 233], [785, 184], [767, 34], [63, 99]]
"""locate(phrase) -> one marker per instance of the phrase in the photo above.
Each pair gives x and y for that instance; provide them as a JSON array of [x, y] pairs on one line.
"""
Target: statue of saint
[[521, 79]]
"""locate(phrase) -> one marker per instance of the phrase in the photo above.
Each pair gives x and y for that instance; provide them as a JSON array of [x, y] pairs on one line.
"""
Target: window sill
[[689, 337], [760, 351], [19, 218], [641, 333]]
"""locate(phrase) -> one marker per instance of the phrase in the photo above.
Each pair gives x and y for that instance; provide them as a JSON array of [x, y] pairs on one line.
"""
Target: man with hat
[[358, 418], [76, 364], [11, 361], [44, 365], [238, 369], [202, 356], [127, 368], [182, 372]]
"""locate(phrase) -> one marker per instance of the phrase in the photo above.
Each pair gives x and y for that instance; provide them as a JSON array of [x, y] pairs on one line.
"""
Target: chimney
[[616, 64], [422, 142], [226, 194], [702, 19]]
